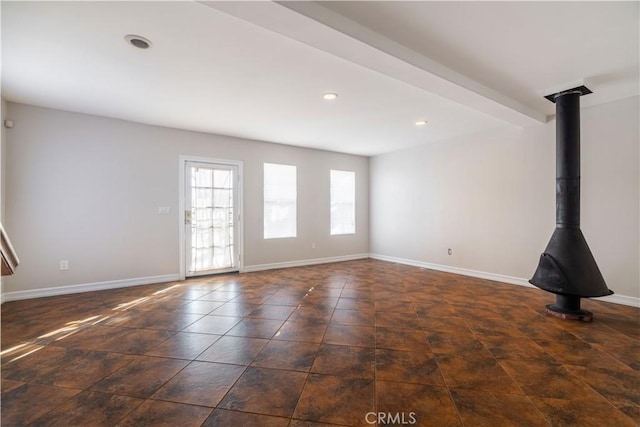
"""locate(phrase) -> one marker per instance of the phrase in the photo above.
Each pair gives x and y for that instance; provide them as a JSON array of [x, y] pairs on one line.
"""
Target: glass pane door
[[210, 218]]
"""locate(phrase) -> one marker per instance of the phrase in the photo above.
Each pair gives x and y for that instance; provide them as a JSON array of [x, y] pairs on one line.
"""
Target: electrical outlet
[[313, 246], [164, 210], [64, 265]]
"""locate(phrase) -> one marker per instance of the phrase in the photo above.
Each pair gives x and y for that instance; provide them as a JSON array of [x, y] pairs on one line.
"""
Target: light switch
[[164, 210]]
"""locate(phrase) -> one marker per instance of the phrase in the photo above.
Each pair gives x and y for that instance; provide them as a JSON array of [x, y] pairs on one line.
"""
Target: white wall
[[3, 157], [490, 197], [87, 189], [3, 137]]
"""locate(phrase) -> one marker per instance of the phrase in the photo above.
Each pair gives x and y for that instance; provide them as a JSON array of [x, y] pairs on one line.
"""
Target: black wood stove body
[[567, 267]]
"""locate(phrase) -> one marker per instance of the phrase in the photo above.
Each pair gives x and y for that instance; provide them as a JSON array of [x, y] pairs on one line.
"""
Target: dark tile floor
[[314, 346]]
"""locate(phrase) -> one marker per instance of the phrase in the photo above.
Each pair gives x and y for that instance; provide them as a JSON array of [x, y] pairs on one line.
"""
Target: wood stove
[[567, 267]]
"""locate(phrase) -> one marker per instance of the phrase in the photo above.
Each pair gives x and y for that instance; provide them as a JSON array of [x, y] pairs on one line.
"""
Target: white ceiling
[[258, 70]]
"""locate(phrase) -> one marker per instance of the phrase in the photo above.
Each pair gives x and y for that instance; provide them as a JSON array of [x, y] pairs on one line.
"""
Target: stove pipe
[[567, 267]]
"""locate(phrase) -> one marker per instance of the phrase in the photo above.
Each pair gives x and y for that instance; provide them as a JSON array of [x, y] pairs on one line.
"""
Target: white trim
[[114, 284], [182, 160], [616, 299], [88, 287], [303, 262], [456, 270], [620, 299]]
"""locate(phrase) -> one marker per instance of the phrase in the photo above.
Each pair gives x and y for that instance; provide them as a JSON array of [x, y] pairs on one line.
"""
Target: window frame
[[352, 203], [265, 201]]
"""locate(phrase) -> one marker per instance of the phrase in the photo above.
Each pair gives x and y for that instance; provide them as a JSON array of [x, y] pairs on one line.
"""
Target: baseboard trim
[[616, 299], [302, 263], [114, 284], [88, 287], [620, 299], [455, 270]]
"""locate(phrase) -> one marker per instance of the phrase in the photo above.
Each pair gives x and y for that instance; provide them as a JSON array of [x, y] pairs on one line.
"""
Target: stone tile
[[64, 367], [505, 347], [357, 362], [408, 367], [90, 408], [403, 403], [275, 312], [289, 355], [303, 423], [398, 320], [356, 294], [200, 383], [353, 317], [433, 311], [627, 352], [136, 341], [577, 352], [163, 320], [94, 338], [256, 328], [301, 331], [476, 373], [493, 326], [184, 345], [236, 350], [480, 408], [355, 304], [619, 386], [545, 378], [566, 412], [223, 417], [392, 294], [311, 314], [199, 307], [169, 414], [361, 336], [142, 377], [219, 296], [336, 400], [265, 391], [457, 344], [318, 299], [402, 339], [216, 325], [284, 300], [24, 403], [392, 305], [445, 324], [235, 309], [185, 291]]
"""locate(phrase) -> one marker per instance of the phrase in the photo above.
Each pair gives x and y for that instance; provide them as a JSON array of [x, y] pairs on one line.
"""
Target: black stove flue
[[567, 267]]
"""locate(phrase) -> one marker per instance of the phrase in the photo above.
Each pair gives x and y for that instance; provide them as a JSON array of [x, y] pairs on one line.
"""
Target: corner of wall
[[3, 138]]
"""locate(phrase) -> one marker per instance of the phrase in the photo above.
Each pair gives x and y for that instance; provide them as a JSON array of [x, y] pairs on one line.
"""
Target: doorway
[[210, 223]]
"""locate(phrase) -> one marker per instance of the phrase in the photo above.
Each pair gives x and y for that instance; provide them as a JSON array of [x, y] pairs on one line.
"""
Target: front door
[[211, 218]]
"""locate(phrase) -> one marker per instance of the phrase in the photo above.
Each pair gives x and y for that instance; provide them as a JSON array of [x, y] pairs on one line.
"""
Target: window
[[343, 202], [280, 196]]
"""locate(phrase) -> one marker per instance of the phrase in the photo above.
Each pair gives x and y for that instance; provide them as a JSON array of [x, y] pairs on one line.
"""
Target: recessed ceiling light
[[138, 41], [330, 96], [421, 122]]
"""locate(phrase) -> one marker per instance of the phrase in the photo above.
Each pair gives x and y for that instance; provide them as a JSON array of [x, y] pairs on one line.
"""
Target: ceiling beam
[[314, 25]]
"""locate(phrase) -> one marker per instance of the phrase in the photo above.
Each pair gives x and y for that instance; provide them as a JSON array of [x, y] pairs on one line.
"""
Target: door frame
[[181, 208]]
